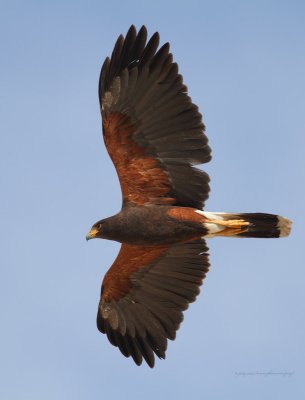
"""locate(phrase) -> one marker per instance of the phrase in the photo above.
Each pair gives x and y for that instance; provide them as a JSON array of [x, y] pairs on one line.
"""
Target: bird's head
[[96, 231]]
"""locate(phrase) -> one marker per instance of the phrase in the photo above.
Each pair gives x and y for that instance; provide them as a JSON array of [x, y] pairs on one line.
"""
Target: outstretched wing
[[152, 130], [144, 294]]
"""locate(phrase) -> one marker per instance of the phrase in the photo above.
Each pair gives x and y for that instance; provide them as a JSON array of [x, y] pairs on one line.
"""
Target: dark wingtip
[[156, 37], [132, 29], [143, 30]]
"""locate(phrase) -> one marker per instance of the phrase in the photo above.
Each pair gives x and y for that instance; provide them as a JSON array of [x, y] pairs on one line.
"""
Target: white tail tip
[[284, 226]]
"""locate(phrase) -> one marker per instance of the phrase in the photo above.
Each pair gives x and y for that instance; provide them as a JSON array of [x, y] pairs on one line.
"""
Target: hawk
[[155, 136]]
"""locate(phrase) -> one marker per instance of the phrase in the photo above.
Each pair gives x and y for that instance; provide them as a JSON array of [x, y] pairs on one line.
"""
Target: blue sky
[[244, 63]]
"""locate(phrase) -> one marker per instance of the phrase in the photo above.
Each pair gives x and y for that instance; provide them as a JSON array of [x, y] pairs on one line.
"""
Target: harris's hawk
[[154, 135]]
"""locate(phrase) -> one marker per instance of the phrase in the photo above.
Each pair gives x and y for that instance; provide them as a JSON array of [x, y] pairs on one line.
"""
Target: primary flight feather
[[154, 135]]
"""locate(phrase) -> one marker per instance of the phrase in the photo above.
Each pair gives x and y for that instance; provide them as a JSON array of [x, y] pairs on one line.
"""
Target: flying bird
[[155, 136]]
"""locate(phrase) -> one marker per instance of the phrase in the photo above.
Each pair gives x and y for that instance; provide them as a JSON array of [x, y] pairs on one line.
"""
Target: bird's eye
[[99, 226]]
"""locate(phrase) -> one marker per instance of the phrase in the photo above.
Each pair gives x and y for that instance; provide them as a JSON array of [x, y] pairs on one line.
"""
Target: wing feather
[[150, 123], [144, 295]]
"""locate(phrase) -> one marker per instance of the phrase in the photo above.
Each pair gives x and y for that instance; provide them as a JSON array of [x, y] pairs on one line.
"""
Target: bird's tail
[[257, 225]]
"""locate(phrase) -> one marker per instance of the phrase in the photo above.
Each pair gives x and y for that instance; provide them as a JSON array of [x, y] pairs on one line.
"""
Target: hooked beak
[[91, 234]]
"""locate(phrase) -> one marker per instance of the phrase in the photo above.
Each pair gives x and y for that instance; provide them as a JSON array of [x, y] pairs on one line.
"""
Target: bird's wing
[[144, 295], [152, 130]]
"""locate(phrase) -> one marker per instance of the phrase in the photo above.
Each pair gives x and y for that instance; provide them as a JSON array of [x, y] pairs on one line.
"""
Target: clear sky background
[[244, 63]]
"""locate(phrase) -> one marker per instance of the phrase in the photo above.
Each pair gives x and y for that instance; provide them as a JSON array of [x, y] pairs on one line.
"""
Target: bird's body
[[151, 225], [154, 135]]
